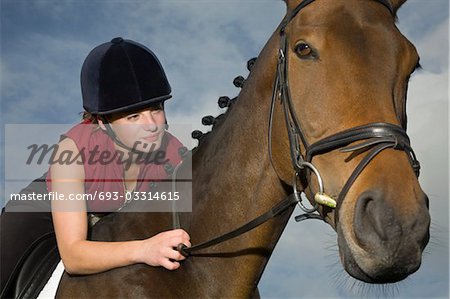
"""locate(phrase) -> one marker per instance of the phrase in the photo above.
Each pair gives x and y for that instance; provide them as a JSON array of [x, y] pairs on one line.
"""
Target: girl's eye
[[305, 51], [133, 117]]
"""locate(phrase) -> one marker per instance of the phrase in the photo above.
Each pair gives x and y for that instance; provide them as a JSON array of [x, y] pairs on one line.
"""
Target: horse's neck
[[234, 181], [233, 161]]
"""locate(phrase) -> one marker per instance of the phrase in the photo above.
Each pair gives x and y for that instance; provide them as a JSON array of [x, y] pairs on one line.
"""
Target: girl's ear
[[101, 124]]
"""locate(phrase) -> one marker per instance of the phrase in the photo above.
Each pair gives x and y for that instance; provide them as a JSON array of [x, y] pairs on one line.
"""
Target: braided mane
[[224, 102]]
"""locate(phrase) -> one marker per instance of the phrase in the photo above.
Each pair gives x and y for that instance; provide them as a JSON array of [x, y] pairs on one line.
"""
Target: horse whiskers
[[352, 288], [438, 238], [331, 247]]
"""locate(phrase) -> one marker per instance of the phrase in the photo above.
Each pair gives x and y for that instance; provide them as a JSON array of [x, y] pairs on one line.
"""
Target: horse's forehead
[[393, 4], [352, 22], [350, 38], [333, 13]]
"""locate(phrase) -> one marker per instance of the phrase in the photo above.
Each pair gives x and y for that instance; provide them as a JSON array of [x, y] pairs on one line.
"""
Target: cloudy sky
[[203, 45]]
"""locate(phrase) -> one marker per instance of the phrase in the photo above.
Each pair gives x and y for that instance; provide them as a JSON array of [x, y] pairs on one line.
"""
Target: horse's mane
[[224, 102]]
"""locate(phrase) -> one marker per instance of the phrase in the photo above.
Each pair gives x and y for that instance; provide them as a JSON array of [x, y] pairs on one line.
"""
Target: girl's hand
[[160, 250]]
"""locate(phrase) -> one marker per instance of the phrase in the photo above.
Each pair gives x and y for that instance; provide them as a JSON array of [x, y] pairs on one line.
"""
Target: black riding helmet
[[121, 76]]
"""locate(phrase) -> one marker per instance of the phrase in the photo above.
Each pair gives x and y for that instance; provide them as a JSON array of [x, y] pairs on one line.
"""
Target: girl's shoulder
[[82, 130], [87, 135]]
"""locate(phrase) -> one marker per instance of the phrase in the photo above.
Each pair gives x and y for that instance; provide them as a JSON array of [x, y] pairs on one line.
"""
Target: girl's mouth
[[151, 138]]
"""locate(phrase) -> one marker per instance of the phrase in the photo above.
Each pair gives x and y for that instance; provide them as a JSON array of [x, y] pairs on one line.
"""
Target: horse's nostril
[[375, 222]]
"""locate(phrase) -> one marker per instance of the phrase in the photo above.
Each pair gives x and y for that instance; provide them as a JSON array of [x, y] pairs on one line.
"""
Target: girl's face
[[142, 130]]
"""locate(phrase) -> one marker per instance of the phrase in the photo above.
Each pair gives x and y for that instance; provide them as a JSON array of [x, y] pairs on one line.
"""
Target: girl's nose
[[149, 123]]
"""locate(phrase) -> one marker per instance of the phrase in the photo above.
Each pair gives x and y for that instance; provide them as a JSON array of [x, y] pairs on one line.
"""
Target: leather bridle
[[374, 137]]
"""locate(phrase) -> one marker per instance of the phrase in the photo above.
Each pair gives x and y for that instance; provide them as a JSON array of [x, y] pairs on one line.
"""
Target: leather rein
[[374, 137]]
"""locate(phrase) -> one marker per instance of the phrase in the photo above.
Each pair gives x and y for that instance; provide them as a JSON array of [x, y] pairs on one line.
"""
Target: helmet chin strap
[[116, 139]]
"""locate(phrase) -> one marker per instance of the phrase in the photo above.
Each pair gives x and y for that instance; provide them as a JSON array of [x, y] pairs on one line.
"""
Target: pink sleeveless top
[[105, 174]]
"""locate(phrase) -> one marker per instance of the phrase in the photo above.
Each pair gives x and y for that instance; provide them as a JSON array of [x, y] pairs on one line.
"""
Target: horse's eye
[[304, 50]]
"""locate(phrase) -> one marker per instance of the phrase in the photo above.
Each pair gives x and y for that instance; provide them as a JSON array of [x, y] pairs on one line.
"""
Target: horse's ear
[[291, 4], [396, 4]]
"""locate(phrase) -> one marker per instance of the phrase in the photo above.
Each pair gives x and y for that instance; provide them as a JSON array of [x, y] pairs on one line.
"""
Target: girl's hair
[[93, 118], [89, 116]]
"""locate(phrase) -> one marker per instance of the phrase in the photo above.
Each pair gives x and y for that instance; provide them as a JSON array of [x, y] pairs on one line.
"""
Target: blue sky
[[203, 45]]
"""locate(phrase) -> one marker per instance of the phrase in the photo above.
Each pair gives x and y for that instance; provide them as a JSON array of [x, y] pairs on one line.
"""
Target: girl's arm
[[81, 256]]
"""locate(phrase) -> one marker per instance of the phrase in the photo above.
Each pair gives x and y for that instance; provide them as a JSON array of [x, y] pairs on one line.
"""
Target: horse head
[[343, 71]]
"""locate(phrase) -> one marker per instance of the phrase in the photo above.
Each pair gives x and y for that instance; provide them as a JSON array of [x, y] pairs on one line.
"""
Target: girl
[[124, 88]]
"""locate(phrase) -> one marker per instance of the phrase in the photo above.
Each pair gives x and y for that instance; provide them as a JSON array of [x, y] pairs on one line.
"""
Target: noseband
[[373, 137]]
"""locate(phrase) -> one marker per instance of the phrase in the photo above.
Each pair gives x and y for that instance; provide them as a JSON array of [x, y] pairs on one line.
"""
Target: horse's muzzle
[[387, 242]]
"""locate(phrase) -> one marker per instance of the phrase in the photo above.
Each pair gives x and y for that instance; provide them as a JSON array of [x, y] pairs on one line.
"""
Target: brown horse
[[323, 110]]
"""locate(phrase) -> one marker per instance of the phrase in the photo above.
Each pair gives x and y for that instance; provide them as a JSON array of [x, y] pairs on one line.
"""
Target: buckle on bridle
[[320, 197], [280, 55], [298, 197]]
